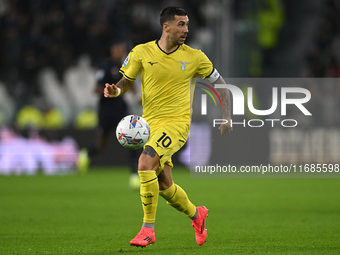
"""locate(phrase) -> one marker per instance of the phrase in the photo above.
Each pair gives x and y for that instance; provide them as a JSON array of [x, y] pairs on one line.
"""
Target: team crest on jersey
[[183, 65]]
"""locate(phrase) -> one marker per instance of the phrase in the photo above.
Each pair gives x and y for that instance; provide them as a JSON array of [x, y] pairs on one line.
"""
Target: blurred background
[[51, 51]]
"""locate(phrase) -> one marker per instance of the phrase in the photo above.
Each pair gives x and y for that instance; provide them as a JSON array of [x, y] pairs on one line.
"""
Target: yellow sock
[[149, 189], [177, 198]]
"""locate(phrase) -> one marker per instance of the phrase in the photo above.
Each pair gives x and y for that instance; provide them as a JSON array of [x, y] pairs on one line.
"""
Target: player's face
[[179, 29]]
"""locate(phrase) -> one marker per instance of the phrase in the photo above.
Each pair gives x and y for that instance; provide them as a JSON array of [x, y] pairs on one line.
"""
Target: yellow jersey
[[167, 80]]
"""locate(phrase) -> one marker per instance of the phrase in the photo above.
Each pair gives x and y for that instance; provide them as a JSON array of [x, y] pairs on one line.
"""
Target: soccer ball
[[133, 132]]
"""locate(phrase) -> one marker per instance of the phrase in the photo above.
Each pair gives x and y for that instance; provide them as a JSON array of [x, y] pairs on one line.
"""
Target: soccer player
[[168, 70]]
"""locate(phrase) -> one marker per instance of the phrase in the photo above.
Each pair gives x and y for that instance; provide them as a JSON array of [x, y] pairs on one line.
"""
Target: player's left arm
[[215, 78], [226, 107]]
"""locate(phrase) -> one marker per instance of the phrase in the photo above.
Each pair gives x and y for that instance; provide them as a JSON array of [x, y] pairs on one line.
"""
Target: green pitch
[[98, 214]]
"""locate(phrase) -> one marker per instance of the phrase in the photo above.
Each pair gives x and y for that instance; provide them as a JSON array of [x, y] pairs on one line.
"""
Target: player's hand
[[110, 90], [226, 128]]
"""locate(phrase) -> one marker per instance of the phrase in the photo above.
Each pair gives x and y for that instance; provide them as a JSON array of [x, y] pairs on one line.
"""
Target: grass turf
[[98, 214]]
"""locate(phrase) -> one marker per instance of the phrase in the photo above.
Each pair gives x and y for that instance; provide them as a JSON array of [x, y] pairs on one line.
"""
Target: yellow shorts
[[166, 140]]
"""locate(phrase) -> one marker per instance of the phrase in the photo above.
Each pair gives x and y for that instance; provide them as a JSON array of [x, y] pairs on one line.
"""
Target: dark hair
[[168, 14]]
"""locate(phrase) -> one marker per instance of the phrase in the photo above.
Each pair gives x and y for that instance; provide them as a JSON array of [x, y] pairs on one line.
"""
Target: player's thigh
[[167, 140]]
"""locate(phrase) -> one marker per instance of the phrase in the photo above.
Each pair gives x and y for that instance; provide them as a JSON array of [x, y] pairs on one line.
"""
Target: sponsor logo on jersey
[[152, 63]]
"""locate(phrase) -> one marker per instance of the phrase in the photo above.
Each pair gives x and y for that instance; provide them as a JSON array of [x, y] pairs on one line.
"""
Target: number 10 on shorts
[[165, 139]]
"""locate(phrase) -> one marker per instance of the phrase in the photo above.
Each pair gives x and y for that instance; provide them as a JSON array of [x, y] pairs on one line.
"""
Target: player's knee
[[144, 165], [148, 160], [147, 163]]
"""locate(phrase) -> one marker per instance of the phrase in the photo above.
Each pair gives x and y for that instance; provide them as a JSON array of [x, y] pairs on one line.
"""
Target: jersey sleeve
[[131, 66], [205, 67]]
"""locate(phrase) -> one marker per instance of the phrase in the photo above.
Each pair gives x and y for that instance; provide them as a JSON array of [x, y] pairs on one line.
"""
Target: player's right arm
[[118, 89]]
